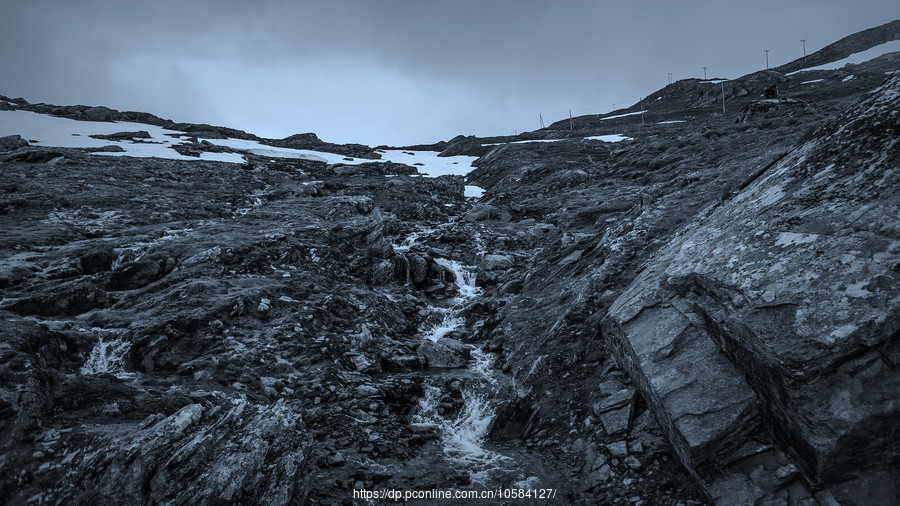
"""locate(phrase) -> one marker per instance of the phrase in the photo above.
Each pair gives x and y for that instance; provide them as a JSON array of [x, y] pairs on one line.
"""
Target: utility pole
[[642, 110], [767, 58], [804, 49], [542, 119], [571, 123], [704, 73], [670, 78], [723, 98]]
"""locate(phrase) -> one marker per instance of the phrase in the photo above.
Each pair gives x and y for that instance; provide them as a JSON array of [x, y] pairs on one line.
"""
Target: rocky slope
[[772, 320], [696, 308], [742, 402]]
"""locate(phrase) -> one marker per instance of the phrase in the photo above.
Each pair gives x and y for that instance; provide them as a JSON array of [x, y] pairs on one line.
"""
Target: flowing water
[[108, 357], [463, 436]]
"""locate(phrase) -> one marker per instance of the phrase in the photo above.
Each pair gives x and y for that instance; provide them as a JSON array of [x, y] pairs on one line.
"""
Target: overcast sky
[[396, 71]]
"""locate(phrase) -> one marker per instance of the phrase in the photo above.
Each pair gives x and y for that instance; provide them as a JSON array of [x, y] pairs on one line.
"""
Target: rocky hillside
[[693, 308]]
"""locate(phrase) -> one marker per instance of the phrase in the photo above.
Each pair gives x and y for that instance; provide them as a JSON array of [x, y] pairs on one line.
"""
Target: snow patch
[[474, 192], [620, 115], [609, 138], [429, 163], [260, 149], [527, 141], [69, 133], [856, 58]]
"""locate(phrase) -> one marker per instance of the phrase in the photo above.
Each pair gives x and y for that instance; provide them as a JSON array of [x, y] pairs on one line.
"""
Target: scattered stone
[[598, 477], [632, 462], [496, 262], [617, 421], [614, 395], [635, 447], [618, 449]]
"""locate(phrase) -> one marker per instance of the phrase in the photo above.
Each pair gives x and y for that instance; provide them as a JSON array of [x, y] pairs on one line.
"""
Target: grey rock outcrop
[[462, 145], [777, 313], [12, 142], [232, 451]]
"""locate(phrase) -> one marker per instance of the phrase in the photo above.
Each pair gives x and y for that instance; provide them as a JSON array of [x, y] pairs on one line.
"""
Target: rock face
[[12, 142], [462, 145], [777, 312], [229, 451], [312, 141]]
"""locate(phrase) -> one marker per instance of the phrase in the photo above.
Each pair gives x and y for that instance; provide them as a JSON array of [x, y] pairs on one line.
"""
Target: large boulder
[[444, 352], [32, 155], [100, 114], [356, 227], [497, 262], [12, 142], [485, 212], [142, 271], [462, 145], [778, 313], [123, 136]]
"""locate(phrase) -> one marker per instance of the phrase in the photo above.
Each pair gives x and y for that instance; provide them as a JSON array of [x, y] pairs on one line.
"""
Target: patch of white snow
[[856, 58]]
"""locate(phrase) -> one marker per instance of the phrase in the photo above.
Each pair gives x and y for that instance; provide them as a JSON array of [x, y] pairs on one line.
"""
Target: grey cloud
[[395, 71]]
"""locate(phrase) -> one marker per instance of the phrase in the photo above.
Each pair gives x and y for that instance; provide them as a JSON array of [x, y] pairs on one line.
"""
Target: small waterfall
[[411, 239], [401, 268], [463, 436], [482, 365], [465, 278], [407, 243], [108, 357]]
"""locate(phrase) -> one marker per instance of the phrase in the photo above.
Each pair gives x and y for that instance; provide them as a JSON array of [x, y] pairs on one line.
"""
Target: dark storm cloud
[[396, 71]]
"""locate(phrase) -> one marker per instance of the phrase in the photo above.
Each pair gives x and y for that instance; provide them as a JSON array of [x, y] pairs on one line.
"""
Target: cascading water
[[108, 357], [410, 241], [464, 278], [463, 437]]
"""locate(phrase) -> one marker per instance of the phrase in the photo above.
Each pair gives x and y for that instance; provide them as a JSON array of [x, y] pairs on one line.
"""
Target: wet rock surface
[[703, 313]]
